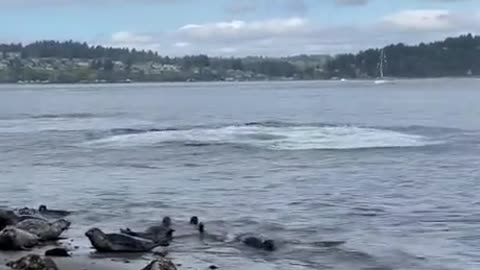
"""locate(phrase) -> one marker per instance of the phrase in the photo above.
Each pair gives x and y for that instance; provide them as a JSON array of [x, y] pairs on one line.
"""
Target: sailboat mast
[[382, 56]]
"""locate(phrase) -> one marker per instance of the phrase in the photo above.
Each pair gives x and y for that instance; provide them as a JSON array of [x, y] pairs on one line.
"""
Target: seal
[[7, 218], [12, 238], [53, 213], [27, 213], [194, 220], [46, 231], [204, 235], [257, 242], [115, 242], [160, 234]]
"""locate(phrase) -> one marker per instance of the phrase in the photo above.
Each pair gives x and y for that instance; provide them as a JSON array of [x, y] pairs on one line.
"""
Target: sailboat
[[381, 67]]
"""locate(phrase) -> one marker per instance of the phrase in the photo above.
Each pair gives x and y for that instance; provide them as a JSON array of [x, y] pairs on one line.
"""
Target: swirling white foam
[[277, 138]]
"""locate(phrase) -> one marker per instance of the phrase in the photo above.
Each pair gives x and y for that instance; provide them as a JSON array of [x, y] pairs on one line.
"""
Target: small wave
[[274, 137]]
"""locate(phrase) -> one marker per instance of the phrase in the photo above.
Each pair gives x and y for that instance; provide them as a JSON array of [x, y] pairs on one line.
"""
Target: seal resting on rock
[[161, 264], [115, 242], [53, 213], [12, 238], [33, 262], [45, 230]]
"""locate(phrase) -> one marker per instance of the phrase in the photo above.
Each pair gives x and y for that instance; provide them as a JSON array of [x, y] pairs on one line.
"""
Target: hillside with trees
[[458, 56], [74, 62]]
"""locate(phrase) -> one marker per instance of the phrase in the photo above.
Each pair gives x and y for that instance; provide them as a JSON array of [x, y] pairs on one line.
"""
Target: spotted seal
[[114, 242], [45, 230], [12, 238]]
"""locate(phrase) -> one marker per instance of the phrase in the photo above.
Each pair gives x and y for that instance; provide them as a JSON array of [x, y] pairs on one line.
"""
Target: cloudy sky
[[238, 27]]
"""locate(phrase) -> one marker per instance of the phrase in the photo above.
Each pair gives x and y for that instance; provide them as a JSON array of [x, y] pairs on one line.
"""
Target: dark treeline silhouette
[[71, 49], [71, 61], [458, 56]]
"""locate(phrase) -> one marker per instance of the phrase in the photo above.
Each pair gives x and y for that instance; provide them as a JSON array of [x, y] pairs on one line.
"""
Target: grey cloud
[[292, 7], [352, 2], [298, 36], [364, 2]]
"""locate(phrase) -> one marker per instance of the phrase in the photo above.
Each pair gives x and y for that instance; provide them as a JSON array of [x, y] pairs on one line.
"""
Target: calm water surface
[[392, 170]]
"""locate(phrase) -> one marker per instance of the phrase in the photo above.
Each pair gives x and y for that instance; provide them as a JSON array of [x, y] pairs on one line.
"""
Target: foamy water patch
[[275, 138]]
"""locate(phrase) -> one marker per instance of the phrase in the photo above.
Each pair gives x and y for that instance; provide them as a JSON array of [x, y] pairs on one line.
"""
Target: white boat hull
[[384, 82]]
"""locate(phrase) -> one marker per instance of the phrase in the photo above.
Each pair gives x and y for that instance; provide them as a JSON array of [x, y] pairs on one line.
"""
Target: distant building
[[12, 55]]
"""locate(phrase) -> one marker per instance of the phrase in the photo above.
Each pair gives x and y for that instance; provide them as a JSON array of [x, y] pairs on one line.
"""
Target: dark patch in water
[[328, 244], [65, 115], [191, 165], [128, 131], [368, 209]]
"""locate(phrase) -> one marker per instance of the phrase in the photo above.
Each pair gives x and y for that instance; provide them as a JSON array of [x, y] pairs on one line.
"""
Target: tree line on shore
[[70, 62], [459, 56]]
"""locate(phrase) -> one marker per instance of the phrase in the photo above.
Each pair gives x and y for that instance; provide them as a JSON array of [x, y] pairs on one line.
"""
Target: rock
[[57, 252], [161, 264], [160, 252], [33, 262], [213, 267]]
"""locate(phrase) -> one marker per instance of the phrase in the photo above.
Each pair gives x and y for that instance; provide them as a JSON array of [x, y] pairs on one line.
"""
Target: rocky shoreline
[[23, 248]]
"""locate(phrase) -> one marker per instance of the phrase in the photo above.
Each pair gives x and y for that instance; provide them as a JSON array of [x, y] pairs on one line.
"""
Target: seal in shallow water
[[43, 229], [26, 213], [161, 234], [114, 242], [52, 213], [257, 242], [158, 234], [12, 238], [194, 220]]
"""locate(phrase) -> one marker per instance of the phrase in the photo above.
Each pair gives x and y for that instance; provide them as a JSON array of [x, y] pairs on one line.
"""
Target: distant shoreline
[[345, 80]]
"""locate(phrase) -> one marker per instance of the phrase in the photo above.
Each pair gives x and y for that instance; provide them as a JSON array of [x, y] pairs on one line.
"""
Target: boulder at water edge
[[161, 264], [33, 262]]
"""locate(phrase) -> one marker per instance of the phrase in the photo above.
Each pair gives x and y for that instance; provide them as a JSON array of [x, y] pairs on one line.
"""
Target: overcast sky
[[238, 27]]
